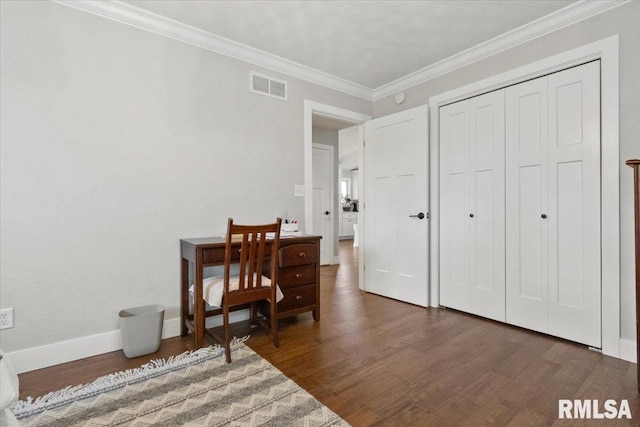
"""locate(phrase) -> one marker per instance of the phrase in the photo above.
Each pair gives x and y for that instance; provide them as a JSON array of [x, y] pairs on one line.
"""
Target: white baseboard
[[48, 355], [44, 356], [628, 350]]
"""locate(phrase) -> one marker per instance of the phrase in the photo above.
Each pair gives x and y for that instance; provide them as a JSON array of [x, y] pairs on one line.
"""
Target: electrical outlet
[[6, 318]]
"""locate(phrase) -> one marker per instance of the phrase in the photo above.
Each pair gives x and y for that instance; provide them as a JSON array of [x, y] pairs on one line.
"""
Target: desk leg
[[184, 296], [198, 303]]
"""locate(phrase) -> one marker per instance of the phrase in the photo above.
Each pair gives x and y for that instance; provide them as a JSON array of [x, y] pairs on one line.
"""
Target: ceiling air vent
[[265, 85]]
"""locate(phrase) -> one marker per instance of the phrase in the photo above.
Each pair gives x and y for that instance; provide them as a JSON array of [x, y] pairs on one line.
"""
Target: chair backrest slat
[[261, 245], [252, 259]]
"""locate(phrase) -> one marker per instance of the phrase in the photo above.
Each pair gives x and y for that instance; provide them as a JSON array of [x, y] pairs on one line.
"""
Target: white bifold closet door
[[472, 250], [553, 262], [520, 204]]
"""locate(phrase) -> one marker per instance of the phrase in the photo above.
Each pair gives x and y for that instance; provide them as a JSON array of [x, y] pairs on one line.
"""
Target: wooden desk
[[298, 278]]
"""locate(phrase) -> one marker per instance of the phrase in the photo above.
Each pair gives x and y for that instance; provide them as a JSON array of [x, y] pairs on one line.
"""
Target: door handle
[[327, 212], [419, 216]]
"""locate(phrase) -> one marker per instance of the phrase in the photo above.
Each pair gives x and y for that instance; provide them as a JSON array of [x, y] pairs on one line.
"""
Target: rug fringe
[[154, 367]]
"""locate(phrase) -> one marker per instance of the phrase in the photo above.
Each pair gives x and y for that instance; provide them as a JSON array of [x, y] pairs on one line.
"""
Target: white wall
[[622, 20], [115, 143]]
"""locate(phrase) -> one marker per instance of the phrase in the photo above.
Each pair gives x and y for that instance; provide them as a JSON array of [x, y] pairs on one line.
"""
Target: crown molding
[[564, 17], [158, 24], [149, 21]]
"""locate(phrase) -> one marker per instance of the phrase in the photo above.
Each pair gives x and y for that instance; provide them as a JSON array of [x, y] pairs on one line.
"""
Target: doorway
[[321, 124]]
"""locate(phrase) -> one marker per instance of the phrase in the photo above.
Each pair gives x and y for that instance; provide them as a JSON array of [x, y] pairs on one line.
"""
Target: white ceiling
[[370, 43]]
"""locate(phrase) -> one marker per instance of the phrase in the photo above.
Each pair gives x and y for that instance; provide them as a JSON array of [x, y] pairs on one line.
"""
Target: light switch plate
[[298, 190]]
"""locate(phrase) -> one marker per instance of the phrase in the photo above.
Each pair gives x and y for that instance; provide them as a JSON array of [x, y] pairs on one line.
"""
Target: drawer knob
[[298, 297], [298, 276], [302, 254]]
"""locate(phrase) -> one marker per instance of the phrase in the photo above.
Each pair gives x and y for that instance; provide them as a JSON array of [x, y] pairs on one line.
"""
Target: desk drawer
[[294, 298], [304, 253], [213, 256], [216, 255], [297, 276]]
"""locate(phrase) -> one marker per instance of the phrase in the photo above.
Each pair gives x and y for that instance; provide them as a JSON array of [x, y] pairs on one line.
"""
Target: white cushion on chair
[[213, 288]]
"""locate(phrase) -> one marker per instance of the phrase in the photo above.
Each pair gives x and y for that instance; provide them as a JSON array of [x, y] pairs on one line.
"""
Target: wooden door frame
[[607, 51]]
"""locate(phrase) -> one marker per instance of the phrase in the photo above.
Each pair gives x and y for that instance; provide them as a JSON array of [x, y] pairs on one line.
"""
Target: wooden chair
[[251, 285]]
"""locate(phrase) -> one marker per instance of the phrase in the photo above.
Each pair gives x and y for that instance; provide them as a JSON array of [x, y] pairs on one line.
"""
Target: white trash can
[[141, 329]]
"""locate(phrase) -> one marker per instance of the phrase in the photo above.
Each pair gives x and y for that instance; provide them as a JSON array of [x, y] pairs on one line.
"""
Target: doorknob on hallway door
[[327, 212], [419, 216]]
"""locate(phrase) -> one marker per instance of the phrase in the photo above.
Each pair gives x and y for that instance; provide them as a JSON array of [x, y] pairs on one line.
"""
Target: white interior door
[[486, 206], [472, 205], [454, 209], [323, 200], [526, 191], [574, 204], [396, 206], [553, 204]]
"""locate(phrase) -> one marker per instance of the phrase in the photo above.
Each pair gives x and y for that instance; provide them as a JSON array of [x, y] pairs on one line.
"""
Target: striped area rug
[[193, 389]]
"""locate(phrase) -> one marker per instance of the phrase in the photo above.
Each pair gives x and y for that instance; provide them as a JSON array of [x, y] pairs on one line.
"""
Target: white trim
[[564, 17], [47, 355], [361, 200], [628, 350], [607, 51], [66, 351], [158, 24], [311, 107]]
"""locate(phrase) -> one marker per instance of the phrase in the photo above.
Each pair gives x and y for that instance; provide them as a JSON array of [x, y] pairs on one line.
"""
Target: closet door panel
[[526, 202], [486, 203], [520, 205], [574, 204], [454, 227]]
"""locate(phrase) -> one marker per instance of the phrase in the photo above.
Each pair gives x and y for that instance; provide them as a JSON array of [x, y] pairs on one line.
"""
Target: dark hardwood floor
[[376, 361]]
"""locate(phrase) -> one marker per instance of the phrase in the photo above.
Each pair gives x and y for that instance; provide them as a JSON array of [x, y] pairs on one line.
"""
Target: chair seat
[[213, 288]]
